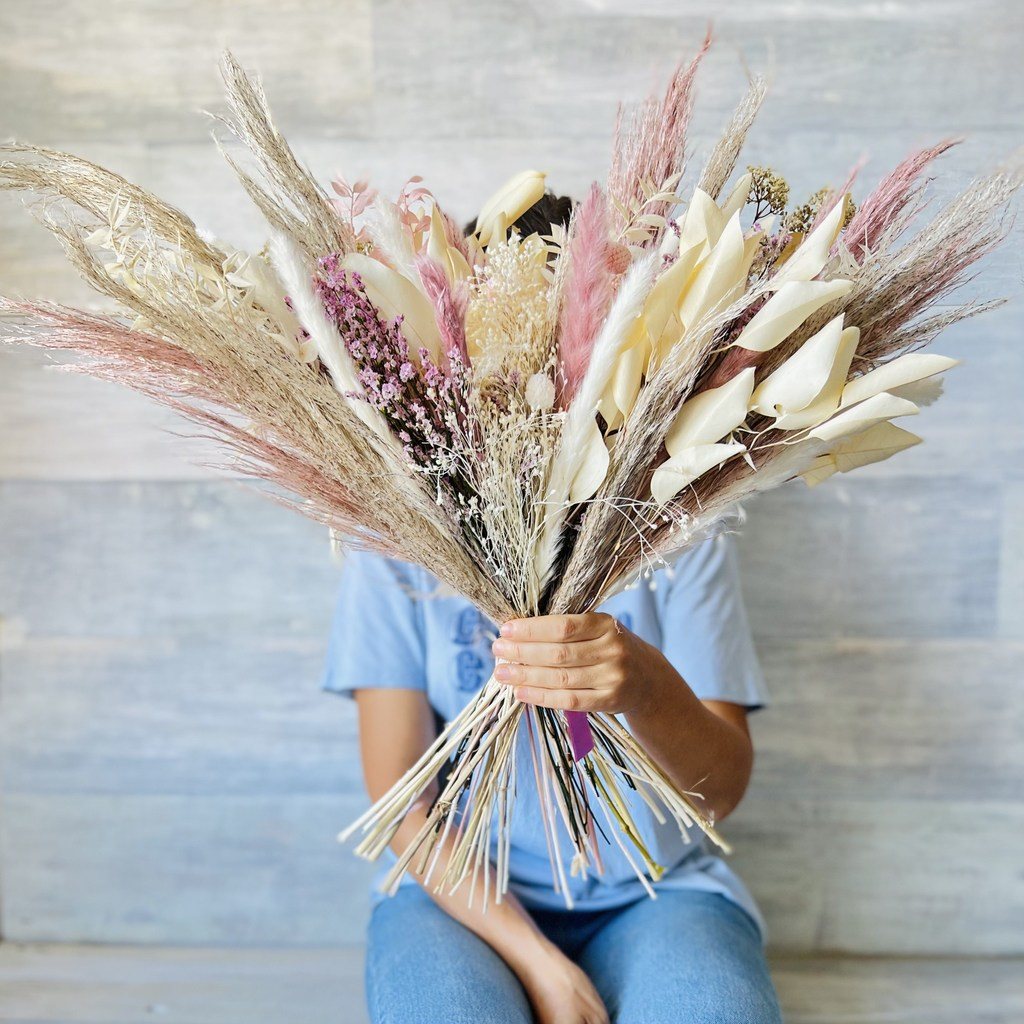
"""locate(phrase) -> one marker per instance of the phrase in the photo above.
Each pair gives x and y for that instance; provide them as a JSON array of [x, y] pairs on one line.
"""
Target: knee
[[385, 1009], [423, 967], [755, 1006]]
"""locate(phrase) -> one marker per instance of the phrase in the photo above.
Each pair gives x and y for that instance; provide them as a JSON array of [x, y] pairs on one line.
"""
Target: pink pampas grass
[[113, 351], [588, 291], [449, 308], [892, 196], [651, 148]]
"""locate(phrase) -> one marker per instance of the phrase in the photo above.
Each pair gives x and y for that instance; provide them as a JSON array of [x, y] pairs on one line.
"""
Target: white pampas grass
[[392, 237], [291, 266], [576, 430]]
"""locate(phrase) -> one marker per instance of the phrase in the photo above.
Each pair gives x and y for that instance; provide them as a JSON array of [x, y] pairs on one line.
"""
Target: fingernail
[[503, 672], [501, 649], [510, 628]]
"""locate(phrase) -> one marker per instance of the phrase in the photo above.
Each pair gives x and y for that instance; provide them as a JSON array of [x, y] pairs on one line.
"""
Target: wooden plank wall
[[170, 772]]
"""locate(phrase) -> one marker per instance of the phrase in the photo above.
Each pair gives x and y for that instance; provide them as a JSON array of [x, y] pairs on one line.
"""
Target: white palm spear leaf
[[581, 460]]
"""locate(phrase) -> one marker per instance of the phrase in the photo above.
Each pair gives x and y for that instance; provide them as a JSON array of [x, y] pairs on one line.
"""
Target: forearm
[[700, 751], [558, 990], [591, 663], [507, 926], [395, 727]]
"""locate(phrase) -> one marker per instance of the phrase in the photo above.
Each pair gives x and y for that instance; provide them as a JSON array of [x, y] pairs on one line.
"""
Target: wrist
[[534, 961], [659, 685]]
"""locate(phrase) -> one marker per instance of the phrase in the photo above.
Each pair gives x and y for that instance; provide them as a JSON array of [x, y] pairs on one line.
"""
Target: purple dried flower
[[424, 405]]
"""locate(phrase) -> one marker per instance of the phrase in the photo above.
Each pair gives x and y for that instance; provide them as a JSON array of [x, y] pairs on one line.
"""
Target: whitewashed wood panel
[[201, 868], [62, 425], [839, 11], [228, 714], [246, 717], [857, 990], [164, 636], [90, 985], [170, 772], [554, 64], [896, 719], [1011, 567], [194, 177], [149, 559], [880, 874], [160, 560], [883, 557], [116, 985], [905, 877], [145, 70]]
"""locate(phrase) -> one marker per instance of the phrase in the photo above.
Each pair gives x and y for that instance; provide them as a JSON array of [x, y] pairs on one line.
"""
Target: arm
[[395, 727], [591, 663]]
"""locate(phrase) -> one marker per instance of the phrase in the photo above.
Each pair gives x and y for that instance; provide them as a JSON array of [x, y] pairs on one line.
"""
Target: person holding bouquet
[[675, 658]]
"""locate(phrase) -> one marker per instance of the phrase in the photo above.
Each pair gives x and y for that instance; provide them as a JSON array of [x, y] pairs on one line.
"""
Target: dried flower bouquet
[[538, 421]]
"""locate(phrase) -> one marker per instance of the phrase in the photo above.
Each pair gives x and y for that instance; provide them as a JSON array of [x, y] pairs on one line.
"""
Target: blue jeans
[[688, 957]]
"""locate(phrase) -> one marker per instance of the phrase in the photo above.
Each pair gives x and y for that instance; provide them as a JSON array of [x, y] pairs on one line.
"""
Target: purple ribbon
[[581, 736]]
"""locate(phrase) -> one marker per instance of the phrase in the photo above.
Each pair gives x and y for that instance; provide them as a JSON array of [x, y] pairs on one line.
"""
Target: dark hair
[[549, 209]]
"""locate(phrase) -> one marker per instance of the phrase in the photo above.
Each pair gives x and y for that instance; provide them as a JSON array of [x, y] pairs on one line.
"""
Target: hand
[[561, 993], [585, 662]]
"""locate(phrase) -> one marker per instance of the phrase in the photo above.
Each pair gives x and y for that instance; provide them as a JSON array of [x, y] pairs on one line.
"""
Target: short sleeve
[[705, 631], [376, 639]]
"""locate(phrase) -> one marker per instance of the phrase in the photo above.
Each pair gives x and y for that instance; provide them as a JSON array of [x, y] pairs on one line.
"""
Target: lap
[[688, 956], [423, 967]]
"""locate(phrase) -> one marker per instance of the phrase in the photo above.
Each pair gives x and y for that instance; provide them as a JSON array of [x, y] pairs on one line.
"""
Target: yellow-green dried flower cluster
[[769, 190], [801, 219]]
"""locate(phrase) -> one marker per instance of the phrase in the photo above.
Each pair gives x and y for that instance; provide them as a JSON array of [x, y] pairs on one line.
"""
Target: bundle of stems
[[539, 420], [480, 742]]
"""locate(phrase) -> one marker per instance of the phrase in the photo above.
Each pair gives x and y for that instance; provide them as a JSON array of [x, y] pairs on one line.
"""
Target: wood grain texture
[[176, 715], [555, 62], [1011, 568], [901, 875], [87, 985], [147, 70], [62, 425], [203, 867], [169, 771], [874, 556], [910, 719]]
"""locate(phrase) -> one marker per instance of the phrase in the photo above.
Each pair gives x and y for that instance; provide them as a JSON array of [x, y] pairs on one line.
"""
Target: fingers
[[558, 629], [597, 1011], [548, 677], [561, 700], [565, 662], [565, 655]]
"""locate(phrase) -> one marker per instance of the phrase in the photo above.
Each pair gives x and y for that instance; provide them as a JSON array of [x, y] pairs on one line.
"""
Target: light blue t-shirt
[[389, 632]]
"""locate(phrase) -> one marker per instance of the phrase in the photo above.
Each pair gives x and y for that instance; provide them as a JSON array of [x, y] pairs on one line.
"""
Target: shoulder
[[359, 564], [712, 562]]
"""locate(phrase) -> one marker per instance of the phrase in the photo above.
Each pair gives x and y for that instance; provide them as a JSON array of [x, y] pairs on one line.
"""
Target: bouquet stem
[[471, 816]]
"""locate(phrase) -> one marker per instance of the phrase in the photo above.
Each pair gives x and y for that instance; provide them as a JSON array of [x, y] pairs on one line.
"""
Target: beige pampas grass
[[287, 196], [722, 160]]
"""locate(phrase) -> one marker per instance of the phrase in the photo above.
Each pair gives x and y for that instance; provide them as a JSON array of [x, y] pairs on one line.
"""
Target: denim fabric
[[688, 957]]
